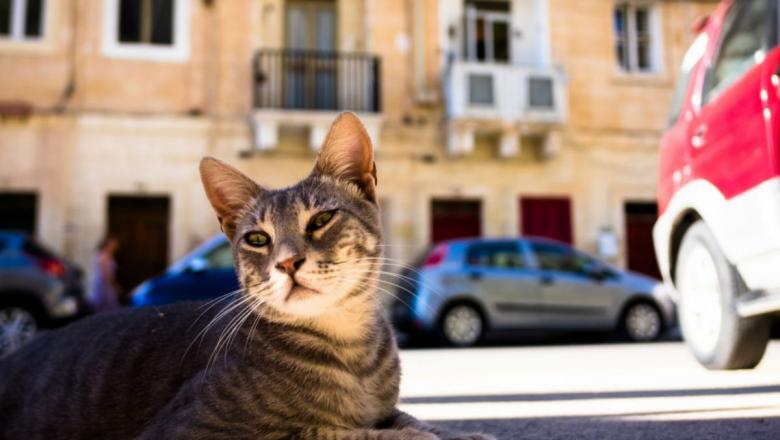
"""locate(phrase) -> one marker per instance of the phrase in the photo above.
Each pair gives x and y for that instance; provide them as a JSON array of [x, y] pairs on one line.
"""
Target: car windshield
[[220, 257]]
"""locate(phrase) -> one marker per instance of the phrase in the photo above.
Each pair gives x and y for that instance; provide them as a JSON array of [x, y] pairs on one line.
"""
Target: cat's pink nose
[[290, 265]]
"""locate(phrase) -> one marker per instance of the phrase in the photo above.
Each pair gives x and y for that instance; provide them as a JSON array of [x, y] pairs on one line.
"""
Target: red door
[[546, 217], [455, 219], [640, 252]]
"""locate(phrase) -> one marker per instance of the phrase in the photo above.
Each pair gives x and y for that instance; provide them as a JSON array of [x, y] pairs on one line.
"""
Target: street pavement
[[592, 391]]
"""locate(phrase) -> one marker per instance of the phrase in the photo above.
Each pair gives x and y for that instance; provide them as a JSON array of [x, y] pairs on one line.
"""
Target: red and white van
[[718, 235]]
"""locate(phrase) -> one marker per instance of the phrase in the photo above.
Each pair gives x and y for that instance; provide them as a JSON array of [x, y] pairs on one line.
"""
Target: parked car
[[461, 289], [205, 273], [38, 289], [717, 238]]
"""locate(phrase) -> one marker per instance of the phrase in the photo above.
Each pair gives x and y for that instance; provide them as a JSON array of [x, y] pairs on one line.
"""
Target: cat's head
[[313, 247]]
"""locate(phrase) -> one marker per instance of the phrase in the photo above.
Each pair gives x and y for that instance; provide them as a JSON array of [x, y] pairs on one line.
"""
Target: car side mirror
[[198, 265]]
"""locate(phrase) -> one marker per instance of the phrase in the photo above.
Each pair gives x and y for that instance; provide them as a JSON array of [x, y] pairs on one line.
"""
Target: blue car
[[205, 273], [38, 289], [461, 289]]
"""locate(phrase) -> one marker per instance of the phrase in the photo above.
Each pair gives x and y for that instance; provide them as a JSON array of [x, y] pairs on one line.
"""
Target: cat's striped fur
[[302, 352]]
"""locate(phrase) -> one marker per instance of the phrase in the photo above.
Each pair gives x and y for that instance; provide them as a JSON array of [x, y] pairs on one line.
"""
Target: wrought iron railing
[[294, 79]]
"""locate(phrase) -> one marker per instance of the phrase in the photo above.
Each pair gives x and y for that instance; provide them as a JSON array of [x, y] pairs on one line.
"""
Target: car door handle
[[476, 276], [697, 140], [546, 280]]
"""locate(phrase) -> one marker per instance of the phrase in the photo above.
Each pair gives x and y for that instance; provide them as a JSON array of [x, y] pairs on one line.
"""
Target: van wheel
[[17, 327], [461, 326], [709, 287]]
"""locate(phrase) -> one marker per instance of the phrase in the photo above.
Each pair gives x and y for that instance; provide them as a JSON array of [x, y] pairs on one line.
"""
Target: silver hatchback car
[[461, 289]]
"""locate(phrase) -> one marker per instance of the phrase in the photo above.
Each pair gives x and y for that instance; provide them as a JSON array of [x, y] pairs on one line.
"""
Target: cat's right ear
[[228, 190]]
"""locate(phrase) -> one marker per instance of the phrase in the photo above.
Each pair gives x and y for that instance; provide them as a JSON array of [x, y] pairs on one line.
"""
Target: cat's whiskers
[[242, 300], [363, 282], [390, 262], [358, 263], [228, 334], [379, 272]]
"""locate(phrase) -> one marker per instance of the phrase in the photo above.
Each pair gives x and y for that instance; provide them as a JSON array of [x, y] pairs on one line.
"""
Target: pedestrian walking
[[104, 290]]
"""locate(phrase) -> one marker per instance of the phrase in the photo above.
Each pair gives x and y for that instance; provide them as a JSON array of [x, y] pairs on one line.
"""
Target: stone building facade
[[492, 118]]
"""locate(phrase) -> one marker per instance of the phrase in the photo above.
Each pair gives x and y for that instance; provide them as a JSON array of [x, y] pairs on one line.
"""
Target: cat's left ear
[[348, 156], [228, 190]]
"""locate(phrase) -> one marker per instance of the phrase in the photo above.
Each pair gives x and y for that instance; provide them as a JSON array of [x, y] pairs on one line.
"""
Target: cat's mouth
[[299, 291]]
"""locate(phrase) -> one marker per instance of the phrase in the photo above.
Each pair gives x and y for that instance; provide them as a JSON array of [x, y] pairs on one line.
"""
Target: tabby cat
[[301, 352]]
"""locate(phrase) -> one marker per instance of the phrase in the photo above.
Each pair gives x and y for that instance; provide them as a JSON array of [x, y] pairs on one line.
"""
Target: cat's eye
[[257, 239], [320, 220]]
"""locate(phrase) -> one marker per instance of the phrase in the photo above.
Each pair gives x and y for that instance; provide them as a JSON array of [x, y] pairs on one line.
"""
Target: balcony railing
[[293, 79]]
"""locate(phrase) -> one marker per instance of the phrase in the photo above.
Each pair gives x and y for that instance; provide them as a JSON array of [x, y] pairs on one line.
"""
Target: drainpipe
[[422, 92], [70, 86]]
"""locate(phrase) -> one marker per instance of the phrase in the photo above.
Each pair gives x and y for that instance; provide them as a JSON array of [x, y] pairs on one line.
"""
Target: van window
[[742, 47], [691, 59], [498, 255]]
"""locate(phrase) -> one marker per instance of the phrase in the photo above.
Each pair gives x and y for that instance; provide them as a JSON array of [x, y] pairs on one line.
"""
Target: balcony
[[309, 88], [509, 99]]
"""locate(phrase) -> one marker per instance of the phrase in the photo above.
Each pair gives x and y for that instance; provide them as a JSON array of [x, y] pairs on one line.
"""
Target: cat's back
[[118, 366]]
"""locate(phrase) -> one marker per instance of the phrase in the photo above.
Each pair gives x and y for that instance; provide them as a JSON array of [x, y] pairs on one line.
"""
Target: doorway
[[488, 27], [141, 224], [19, 211], [548, 217], [455, 219], [311, 62], [640, 251]]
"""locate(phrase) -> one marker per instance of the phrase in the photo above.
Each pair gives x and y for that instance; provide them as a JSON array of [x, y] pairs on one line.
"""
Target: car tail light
[[45, 260], [51, 266], [436, 256]]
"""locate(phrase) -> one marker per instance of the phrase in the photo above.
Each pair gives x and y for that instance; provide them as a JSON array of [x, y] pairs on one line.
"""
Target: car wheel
[[462, 326], [642, 322], [17, 327], [709, 287]]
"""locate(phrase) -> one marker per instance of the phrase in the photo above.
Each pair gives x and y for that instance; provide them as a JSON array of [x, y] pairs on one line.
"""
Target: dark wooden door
[[18, 212], [640, 252], [141, 224], [546, 217], [455, 219]]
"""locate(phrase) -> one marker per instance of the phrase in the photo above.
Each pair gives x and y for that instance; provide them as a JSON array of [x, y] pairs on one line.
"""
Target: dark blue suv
[[205, 273]]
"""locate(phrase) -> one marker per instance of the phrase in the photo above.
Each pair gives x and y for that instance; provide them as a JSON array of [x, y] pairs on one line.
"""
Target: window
[[22, 20], [496, 255], [555, 257], [220, 257], [146, 21], [146, 29], [635, 38], [481, 89], [540, 93], [487, 31], [743, 46]]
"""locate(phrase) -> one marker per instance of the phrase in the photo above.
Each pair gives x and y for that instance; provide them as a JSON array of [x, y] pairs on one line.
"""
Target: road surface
[[600, 391]]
